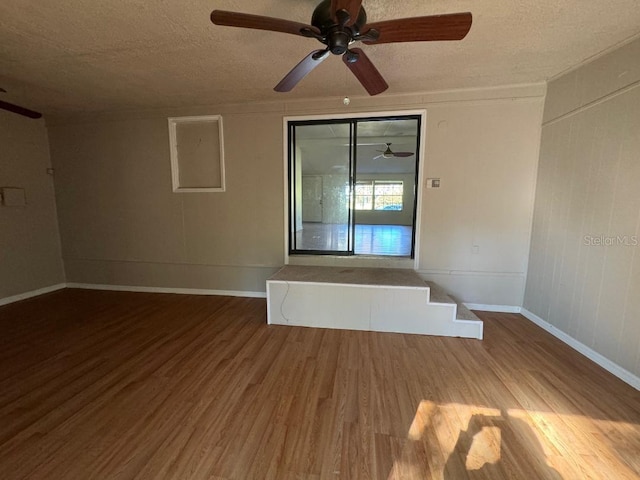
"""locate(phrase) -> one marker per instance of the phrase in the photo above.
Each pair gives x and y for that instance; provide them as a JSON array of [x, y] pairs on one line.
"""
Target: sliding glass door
[[352, 186]]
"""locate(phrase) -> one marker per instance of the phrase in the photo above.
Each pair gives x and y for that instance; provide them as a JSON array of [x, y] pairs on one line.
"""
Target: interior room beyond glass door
[[385, 186], [321, 174]]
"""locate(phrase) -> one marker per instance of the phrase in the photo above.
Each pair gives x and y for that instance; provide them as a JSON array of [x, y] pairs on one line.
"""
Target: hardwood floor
[[105, 385]]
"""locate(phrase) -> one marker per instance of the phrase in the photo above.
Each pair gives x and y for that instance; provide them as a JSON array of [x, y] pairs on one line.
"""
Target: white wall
[[475, 228], [588, 190], [29, 241], [121, 224]]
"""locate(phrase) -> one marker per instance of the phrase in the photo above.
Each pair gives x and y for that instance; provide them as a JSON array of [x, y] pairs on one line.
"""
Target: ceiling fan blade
[[377, 157], [258, 22], [366, 73], [351, 6], [453, 26], [301, 70], [402, 154], [19, 110]]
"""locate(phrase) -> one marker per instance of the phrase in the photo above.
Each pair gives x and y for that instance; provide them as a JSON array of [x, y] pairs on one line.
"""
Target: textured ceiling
[[85, 55]]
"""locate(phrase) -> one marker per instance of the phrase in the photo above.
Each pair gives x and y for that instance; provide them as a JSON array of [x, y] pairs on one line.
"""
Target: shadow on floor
[[496, 447]]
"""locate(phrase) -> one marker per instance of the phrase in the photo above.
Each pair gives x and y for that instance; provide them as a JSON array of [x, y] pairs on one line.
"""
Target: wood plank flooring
[[110, 385]]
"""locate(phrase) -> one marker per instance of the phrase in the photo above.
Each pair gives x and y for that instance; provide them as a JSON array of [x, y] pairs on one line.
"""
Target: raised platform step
[[438, 295], [376, 299]]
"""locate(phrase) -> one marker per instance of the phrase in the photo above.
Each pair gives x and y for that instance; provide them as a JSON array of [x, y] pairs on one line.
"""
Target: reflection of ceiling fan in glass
[[388, 153]]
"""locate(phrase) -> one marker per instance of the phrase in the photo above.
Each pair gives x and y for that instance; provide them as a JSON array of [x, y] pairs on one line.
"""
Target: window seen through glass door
[[379, 195]]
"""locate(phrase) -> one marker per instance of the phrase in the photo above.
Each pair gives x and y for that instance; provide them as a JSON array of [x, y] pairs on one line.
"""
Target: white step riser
[[364, 307]]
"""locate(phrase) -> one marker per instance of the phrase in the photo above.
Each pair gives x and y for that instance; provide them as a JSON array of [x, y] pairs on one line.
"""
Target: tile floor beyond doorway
[[393, 240]]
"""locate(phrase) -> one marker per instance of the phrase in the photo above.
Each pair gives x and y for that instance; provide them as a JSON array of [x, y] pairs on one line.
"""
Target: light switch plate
[[13, 197], [433, 183]]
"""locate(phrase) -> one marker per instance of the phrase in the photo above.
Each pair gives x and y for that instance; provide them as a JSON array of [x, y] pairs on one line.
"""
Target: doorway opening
[[353, 185]]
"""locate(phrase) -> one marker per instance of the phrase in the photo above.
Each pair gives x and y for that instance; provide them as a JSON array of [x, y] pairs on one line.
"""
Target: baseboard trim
[[493, 308], [179, 291], [612, 367], [31, 294]]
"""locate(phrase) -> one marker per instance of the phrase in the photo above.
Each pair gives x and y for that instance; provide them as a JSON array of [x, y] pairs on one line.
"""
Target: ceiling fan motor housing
[[337, 37]]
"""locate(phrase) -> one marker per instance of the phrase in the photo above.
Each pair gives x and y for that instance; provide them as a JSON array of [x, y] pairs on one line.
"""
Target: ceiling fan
[[338, 24], [18, 109], [388, 153]]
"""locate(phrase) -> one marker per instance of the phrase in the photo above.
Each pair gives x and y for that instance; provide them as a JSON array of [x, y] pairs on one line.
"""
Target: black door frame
[[291, 175]]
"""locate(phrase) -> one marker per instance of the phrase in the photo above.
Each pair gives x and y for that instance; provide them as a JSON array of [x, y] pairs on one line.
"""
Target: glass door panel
[[320, 173], [385, 181]]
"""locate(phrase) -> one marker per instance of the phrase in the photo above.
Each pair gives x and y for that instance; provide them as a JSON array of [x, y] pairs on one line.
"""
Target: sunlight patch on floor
[[468, 441], [484, 449]]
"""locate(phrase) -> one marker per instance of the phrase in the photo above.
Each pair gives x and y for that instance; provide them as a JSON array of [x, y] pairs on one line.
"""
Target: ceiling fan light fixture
[[338, 42]]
